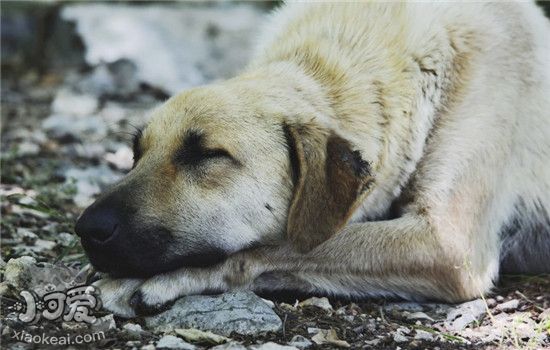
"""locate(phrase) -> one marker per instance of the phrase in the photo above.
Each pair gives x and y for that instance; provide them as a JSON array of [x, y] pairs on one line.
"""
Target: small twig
[[529, 300], [382, 315]]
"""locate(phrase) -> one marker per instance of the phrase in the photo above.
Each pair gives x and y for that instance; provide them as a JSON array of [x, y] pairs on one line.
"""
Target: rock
[[104, 324], [491, 302], [64, 239], [133, 343], [18, 272], [300, 342], [417, 316], [197, 336], [329, 336], [41, 245], [172, 342], [133, 330], [269, 302], [89, 182], [118, 78], [27, 236], [148, 347], [67, 102], [400, 335], [7, 290], [321, 303], [348, 318], [63, 125], [373, 342], [399, 338], [122, 159], [240, 312], [229, 346], [25, 274], [423, 335], [178, 56], [74, 326], [27, 148], [545, 315], [464, 314], [313, 330], [272, 346], [510, 305]]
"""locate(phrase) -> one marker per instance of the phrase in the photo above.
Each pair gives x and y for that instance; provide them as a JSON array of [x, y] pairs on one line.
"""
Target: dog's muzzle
[[118, 243]]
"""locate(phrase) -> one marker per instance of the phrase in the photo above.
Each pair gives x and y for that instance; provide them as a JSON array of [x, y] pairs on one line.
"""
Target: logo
[[74, 304]]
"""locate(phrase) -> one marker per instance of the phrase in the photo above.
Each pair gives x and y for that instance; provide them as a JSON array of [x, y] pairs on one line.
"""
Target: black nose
[[97, 223]]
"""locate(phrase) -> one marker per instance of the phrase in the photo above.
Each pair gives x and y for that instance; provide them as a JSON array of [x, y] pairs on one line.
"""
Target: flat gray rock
[[240, 312], [464, 314]]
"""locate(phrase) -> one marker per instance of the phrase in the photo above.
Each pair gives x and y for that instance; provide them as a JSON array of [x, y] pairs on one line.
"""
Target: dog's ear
[[330, 180]]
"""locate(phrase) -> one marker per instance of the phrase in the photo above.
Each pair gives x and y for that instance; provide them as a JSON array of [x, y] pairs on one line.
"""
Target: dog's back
[[483, 68]]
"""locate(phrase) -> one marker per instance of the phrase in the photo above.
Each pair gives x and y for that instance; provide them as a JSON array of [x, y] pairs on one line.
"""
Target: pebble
[[233, 345], [133, 330], [417, 316], [545, 315], [491, 302], [321, 303], [423, 335], [348, 318], [373, 342], [172, 342], [105, 323], [17, 272], [272, 346], [71, 103], [64, 239], [399, 338], [313, 330], [122, 159], [26, 148], [510, 305], [197, 336], [464, 314], [27, 236], [300, 342]]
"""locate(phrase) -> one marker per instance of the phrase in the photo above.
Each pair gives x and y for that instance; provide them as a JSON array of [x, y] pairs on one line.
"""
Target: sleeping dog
[[381, 149]]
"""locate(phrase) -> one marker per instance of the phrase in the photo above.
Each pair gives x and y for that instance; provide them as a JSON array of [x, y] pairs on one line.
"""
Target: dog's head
[[216, 173]]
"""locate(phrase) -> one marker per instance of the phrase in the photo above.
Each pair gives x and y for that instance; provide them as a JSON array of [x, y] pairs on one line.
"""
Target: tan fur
[[448, 103]]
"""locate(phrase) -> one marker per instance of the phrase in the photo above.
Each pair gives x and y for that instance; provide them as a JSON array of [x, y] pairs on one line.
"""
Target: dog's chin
[[149, 267]]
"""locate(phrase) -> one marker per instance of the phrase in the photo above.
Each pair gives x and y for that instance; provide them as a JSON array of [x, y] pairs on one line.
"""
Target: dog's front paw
[[145, 305], [115, 295], [160, 292]]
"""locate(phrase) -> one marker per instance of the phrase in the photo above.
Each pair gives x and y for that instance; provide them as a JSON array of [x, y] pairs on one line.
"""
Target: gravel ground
[[66, 136]]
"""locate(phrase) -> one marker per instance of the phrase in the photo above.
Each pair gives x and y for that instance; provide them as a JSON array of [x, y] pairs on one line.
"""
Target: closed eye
[[136, 147], [194, 153], [199, 156]]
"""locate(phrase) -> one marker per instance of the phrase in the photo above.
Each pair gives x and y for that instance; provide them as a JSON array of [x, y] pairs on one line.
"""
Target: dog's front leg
[[160, 291], [408, 257], [405, 257]]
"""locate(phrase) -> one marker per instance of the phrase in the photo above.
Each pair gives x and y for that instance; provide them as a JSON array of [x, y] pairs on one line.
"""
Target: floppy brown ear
[[330, 180]]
